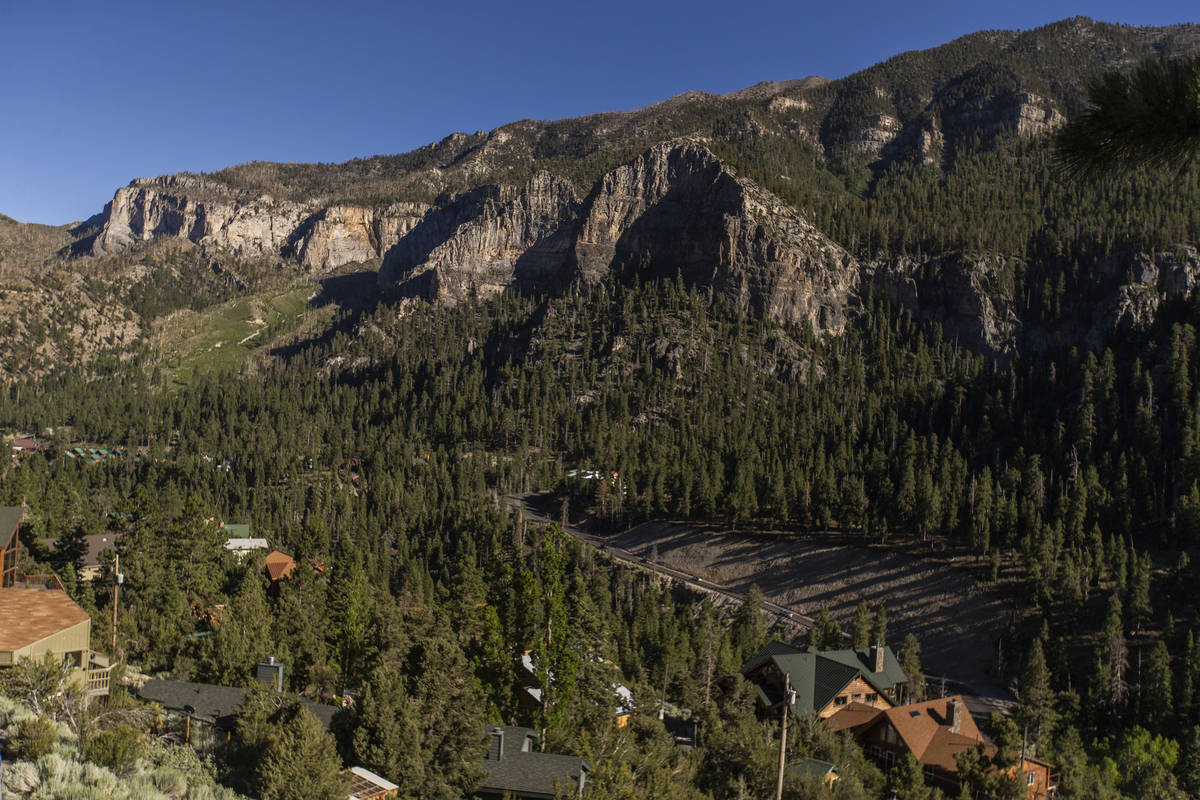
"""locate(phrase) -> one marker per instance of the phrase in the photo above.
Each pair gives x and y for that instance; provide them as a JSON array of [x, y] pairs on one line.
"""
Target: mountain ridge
[[926, 176]]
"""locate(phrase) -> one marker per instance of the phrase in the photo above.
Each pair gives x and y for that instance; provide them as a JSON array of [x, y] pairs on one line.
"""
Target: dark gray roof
[[525, 773], [10, 520], [216, 704], [95, 543]]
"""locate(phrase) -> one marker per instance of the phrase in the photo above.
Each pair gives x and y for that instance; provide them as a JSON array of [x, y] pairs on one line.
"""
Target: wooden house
[[934, 732], [39, 618], [824, 681], [515, 769]]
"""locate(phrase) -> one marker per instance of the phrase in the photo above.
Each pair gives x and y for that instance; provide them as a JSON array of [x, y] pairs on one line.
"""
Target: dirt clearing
[[956, 621]]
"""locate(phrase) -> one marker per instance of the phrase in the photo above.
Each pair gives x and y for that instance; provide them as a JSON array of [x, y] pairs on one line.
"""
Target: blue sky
[[97, 93]]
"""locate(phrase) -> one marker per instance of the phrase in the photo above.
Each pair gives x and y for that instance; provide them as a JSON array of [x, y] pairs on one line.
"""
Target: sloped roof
[[524, 773], [245, 544], [366, 785], [216, 704], [813, 766], [852, 715], [818, 676], [31, 614], [863, 660], [94, 544], [279, 565], [925, 730]]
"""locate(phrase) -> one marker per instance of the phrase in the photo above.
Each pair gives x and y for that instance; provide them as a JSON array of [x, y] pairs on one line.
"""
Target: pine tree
[[907, 780], [302, 762], [387, 739], [910, 663], [826, 634], [1154, 685], [879, 629], [1037, 711], [861, 626]]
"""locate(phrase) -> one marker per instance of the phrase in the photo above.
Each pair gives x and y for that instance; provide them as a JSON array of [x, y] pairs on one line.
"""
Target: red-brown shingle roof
[[30, 615], [279, 565]]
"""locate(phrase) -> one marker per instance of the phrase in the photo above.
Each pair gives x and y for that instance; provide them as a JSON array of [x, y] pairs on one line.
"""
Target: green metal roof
[[861, 659], [818, 677]]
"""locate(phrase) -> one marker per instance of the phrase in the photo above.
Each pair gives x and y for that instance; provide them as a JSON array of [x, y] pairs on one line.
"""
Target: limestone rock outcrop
[[684, 212], [487, 241], [187, 207]]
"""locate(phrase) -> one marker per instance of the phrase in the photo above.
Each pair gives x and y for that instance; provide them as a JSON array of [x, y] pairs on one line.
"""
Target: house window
[[840, 700], [928, 772], [872, 698], [889, 734], [1029, 779], [889, 760]]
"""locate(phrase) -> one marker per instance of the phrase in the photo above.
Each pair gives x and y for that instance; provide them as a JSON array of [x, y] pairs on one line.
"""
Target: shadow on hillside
[[354, 295]]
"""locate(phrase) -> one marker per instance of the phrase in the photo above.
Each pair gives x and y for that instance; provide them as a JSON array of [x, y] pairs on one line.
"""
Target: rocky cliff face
[[681, 209], [189, 208], [968, 296], [1144, 281], [487, 241], [676, 210]]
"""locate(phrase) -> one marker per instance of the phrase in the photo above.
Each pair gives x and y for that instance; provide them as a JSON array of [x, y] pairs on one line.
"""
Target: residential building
[[207, 712], [279, 565], [241, 545], [934, 731], [93, 545], [531, 694], [824, 681], [516, 770], [39, 618], [824, 771]]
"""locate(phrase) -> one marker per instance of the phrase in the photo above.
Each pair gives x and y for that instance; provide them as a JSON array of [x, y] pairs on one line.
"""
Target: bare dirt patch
[[957, 621]]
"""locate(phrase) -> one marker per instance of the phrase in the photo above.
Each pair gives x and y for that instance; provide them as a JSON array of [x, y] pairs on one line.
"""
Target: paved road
[[980, 702]]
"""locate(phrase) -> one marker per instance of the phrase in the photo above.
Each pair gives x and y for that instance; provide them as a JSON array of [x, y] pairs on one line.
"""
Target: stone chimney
[[877, 658], [956, 715]]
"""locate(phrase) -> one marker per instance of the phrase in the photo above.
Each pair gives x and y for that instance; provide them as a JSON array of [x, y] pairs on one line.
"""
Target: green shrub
[[116, 748], [35, 738]]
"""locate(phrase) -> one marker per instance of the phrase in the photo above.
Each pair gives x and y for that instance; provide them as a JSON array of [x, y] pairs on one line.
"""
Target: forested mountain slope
[[866, 306]]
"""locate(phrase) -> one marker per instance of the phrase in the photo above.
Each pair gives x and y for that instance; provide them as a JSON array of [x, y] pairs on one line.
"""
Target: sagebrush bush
[[116, 748], [35, 738]]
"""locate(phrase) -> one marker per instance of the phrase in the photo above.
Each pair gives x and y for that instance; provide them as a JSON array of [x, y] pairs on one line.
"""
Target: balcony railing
[[99, 673]]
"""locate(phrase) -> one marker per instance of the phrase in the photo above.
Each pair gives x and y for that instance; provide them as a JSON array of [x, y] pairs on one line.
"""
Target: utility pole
[[118, 578], [789, 698]]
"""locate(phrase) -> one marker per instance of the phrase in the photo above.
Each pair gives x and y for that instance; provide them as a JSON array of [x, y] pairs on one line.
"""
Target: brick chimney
[[956, 715], [877, 657]]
